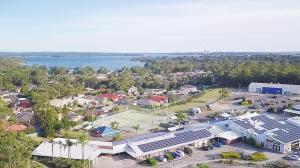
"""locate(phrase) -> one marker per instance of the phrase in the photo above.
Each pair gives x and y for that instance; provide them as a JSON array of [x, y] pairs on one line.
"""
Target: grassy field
[[208, 97]]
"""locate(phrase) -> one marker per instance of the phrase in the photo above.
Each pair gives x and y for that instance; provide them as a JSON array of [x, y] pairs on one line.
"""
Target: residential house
[[133, 91], [176, 95], [123, 102], [16, 128], [25, 118], [106, 109], [101, 76], [186, 89], [22, 105], [159, 99], [112, 97], [155, 91], [72, 116], [148, 103], [69, 102], [120, 93]]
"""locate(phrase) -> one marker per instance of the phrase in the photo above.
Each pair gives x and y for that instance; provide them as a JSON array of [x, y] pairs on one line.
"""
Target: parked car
[[293, 157], [175, 155], [162, 158], [181, 153], [186, 122], [207, 148], [218, 145]]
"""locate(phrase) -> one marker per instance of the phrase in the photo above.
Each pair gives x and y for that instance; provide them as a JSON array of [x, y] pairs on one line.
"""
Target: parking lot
[[201, 156]]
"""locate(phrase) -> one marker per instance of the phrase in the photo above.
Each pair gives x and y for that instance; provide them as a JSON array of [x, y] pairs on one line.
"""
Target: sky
[[149, 25]]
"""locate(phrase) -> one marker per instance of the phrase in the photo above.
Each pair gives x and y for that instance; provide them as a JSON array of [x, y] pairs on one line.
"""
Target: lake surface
[[110, 62]]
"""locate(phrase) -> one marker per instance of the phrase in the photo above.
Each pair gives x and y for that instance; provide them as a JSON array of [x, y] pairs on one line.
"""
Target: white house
[[133, 90], [188, 89], [69, 101]]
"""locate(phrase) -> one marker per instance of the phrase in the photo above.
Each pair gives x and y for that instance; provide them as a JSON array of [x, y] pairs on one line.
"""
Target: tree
[[5, 111], [224, 93], [117, 137], [15, 149], [114, 125], [60, 143], [83, 140], [69, 144], [151, 161], [136, 128], [49, 121], [202, 165], [188, 150], [51, 140], [180, 117], [116, 109], [102, 70]]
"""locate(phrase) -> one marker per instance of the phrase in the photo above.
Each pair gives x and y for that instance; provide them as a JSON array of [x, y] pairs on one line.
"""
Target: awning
[[229, 135]]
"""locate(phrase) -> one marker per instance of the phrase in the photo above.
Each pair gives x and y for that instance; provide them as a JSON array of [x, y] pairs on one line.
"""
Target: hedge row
[[230, 155]]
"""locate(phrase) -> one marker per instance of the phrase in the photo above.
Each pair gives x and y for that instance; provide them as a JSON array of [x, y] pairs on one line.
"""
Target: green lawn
[[209, 96]]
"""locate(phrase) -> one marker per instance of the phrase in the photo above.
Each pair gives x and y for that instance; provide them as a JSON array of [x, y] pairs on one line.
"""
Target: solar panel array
[[287, 132], [179, 138], [246, 124]]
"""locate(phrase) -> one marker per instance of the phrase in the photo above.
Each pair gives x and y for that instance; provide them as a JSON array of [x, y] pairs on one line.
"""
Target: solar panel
[[179, 138]]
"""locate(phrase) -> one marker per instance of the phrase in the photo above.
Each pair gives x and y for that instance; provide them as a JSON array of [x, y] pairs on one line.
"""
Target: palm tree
[[83, 140], [69, 144], [114, 125], [51, 140], [136, 128], [181, 116], [60, 143]]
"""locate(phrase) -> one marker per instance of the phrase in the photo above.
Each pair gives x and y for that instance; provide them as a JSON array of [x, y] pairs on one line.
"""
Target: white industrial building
[[271, 88], [281, 136]]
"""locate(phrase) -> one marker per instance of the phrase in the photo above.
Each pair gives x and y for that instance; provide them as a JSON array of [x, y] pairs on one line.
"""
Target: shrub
[[151, 161], [251, 141], [117, 137], [278, 164], [202, 165], [169, 156], [258, 145], [230, 155], [245, 103], [188, 150], [272, 110], [257, 156]]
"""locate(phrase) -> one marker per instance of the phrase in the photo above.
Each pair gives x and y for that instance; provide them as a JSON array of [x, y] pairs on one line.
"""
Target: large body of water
[[110, 62]]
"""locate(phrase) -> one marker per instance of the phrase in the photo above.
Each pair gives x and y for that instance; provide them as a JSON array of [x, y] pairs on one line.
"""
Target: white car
[[180, 153], [294, 157], [162, 159]]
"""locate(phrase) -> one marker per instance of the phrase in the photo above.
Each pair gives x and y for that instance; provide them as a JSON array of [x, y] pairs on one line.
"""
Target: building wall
[[254, 87]]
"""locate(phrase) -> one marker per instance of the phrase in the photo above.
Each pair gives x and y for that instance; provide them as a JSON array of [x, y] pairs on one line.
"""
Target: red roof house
[[16, 128], [159, 99], [112, 97]]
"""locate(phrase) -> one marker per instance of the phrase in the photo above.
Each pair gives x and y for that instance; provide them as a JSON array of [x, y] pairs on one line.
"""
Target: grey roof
[[180, 138], [281, 130], [139, 137], [24, 117]]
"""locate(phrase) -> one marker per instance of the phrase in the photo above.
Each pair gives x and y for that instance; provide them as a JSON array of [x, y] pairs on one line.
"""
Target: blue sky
[[149, 25]]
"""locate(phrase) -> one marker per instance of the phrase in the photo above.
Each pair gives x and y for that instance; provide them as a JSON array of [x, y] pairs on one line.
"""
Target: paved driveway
[[200, 156]]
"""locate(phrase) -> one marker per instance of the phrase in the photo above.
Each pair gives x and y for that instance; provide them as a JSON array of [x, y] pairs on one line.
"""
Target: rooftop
[[280, 130]]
